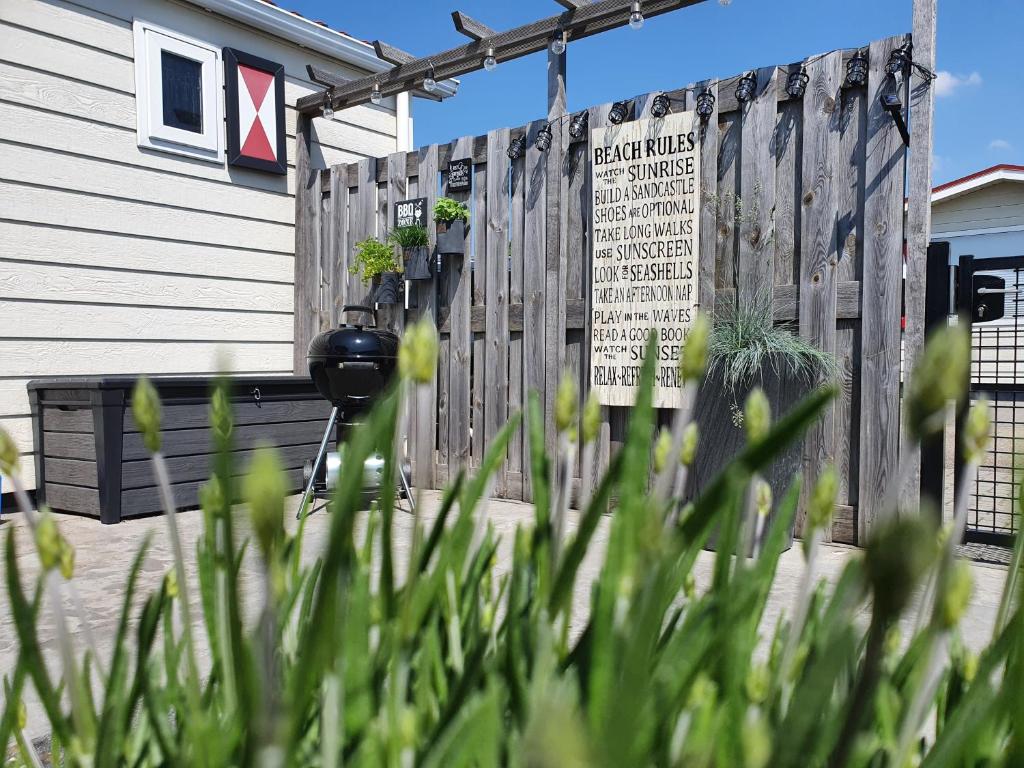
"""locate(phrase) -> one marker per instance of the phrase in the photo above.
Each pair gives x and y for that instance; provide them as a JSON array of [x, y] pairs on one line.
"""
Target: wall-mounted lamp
[[746, 88], [543, 140], [705, 104], [578, 124], [660, 105], [516, 148], [618, 112], [857, 69], [899, 60], [891, 103], [796, 85]]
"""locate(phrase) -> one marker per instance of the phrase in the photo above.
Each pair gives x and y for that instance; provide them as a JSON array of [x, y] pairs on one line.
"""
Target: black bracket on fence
[[891, 103]]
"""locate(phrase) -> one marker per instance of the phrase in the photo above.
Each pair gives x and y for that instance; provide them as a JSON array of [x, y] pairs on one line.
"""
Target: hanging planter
[[450, 216], [375, 262], [389, 289], [415, 251]]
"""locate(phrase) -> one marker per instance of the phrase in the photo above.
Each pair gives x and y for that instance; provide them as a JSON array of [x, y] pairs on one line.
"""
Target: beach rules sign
[[646, 211]]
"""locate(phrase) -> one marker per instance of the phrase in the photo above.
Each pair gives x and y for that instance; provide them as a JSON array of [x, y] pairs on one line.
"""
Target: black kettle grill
[[351, 366]]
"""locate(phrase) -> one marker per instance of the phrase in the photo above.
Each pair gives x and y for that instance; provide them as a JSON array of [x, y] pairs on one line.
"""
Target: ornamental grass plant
[[454, 665]]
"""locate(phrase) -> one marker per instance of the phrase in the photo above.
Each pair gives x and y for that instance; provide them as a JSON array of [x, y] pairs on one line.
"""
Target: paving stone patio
[[104, 554]]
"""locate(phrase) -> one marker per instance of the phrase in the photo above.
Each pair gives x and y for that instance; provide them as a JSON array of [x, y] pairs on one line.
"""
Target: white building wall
[[115, 259]]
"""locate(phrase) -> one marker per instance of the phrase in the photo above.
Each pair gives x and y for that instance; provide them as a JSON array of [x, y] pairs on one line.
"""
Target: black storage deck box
[[90, 459]]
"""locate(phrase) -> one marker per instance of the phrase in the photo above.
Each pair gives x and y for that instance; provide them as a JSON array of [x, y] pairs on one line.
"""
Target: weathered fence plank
[[534, 243], [460, 297], [708, 187], [479, 238], [425, 414], [517, 235], [883, 267], [756, 258], [496, 266], [307, 283], [820, 253]]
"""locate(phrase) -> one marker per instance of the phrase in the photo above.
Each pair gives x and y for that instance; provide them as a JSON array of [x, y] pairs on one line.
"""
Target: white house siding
[[115, 259], [985, 223]]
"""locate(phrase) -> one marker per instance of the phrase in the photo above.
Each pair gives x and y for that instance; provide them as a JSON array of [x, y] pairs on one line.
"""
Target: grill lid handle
[[361, 308]]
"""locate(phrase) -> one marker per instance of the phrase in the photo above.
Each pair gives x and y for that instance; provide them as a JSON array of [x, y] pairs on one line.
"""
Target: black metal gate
[[991, 293]]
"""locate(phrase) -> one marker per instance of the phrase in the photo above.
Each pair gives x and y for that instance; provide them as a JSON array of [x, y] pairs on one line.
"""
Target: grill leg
[[316, 464]]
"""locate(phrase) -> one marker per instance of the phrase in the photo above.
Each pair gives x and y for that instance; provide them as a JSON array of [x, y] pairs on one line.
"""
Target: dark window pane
[[183, 92]]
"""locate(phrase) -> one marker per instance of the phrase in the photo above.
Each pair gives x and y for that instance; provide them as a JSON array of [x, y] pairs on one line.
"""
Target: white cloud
[[1000, 145], [946, 83]]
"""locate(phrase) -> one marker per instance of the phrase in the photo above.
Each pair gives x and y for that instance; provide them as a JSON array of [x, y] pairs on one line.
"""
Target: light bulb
[[328, 111], [636, 16], [489, 61], [375, 96], [429, 84], [724, 3], [558, 46]]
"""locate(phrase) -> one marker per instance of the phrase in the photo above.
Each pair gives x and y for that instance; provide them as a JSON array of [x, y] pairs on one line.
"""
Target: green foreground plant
[[447, 659], [411, 236]]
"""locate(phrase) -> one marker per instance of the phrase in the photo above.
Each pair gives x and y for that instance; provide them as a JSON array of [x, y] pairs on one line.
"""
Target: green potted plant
[[748, 349], [376, 263], [415, 247], [451, 216]]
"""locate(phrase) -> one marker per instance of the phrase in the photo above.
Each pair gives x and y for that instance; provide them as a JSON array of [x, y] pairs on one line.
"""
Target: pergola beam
[[589, 19], [470, 27], [572, 5], [390, 54]]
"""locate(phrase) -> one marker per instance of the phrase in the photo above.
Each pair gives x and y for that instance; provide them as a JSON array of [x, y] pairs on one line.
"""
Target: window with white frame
[[177, 93]]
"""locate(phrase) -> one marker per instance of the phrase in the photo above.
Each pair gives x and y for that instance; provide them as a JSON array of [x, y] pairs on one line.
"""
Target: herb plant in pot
[[413, 242], [376, 263], [451, 216], [747, 349]]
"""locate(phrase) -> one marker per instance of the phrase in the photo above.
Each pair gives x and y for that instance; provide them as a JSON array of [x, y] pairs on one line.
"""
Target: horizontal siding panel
[[59, 282], [40, 320], [71, 22], [66, 58], [13, 397], [101, 249], [63, 357], [20, 430], [28, 478], [71, 209], [54, 93], [120, 144], [82, 174]]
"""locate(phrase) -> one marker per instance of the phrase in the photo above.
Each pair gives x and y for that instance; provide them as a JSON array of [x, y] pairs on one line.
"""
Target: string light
[[543, 140], [618, 112], [489, 61], [746, 88], [899, 60], [578, 125], [636, 15], [557, 46], [429, 82], [857, 69], [328, 108], [515, 149], [705, 104], [797, 83], [375, 95], [660, 105]]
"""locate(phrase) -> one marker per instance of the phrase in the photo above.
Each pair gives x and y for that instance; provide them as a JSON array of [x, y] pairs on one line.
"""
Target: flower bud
[[689, 585], [693, 357], [940, 376], [662, 448], [565, 403], [969, 666], [265, 488], [417, 354], [48, 541], [892, 641], [957, 594], [66, 561], [762, 498], [9, 458], [897, 556], [591, 418], [976, 431], [22, 716], [757, 742], [689, 448], [171, 583], [146, 410], [757, 415], [221, 417], [823, 499], [211, 496], [757, 683]]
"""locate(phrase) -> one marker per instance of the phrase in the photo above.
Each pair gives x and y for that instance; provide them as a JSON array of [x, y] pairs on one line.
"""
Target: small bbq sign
[[410, 213], [644, 270]]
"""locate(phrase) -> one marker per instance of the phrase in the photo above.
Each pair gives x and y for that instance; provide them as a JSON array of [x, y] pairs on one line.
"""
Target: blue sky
[[979, 112]]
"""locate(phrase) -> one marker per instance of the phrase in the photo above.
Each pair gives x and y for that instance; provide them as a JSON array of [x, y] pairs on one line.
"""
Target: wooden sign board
[[646, 212], [410, 213], [460, 175]]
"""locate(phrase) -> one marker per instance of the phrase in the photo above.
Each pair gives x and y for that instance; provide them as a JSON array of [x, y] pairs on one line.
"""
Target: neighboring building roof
[[996, 173], [315, 35]]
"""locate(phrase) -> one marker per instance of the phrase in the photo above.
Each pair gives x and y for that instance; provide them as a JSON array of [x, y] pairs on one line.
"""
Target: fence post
[[307, 275]]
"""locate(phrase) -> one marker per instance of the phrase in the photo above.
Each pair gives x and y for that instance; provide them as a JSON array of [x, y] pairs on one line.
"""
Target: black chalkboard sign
[[460, 175], [411, 212]]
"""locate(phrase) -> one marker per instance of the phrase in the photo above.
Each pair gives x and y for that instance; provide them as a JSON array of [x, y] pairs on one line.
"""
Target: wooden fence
[[802, 202]]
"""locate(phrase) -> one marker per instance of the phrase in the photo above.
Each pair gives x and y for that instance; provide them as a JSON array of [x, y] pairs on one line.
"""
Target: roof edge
[[1001, 172]]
